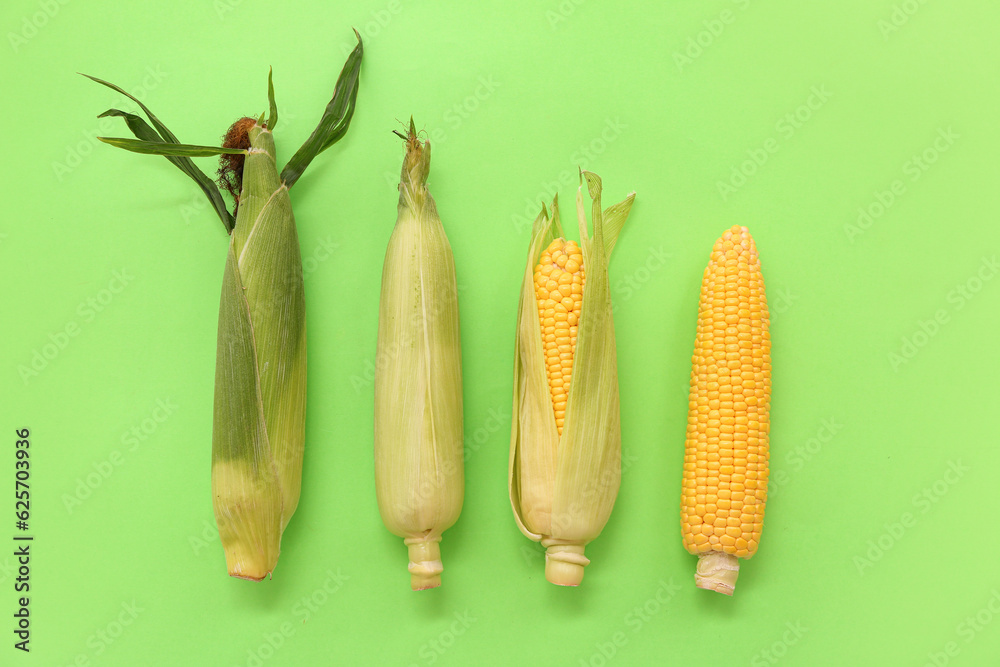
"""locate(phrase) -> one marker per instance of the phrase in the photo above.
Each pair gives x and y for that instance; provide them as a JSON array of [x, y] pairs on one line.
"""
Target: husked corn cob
[[726, 450], [565, 452]]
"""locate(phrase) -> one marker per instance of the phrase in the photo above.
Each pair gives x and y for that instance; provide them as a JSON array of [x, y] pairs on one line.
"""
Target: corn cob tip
[[564, 564], [248, 577], [245, 562], [425, 563], [717, 571], [247, 520]]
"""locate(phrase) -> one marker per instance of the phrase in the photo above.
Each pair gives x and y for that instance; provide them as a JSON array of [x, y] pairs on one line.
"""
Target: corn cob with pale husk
[[419, 476], [258, 431], [565, 452], [726, 450]]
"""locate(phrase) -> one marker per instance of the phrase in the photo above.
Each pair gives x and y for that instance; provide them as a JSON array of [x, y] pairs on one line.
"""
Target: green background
[[880, 541]]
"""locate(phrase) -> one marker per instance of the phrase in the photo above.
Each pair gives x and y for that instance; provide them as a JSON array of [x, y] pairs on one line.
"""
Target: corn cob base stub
[[425, 562], [726, 450], [564, 563]]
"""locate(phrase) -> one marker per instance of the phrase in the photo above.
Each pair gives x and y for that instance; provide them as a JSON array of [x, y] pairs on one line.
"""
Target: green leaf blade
[[335, 120], [272, 119], [146, 133], [143, 131], [169, 149]]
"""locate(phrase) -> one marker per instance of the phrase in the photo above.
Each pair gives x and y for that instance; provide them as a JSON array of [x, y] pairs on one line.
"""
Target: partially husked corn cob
[[559, 280], [565, 456], [726, 450]]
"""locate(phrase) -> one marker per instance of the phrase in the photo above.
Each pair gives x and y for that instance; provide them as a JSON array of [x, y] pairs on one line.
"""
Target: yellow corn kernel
[[726, 450], [559, 280]]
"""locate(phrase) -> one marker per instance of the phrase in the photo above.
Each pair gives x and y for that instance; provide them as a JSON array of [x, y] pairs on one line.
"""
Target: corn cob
[[419, 477], [726, 450], [258, 429], [565, 455], [559, 281]]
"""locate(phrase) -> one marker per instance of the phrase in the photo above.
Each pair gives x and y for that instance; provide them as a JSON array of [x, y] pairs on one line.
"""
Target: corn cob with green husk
[[565, 450], [258, 430], [419, 477]]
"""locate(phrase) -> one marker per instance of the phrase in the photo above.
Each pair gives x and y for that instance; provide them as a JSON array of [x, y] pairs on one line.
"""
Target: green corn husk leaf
[[419, 475], [563, 488], [258, 432], [168, 149], [335, 120]]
